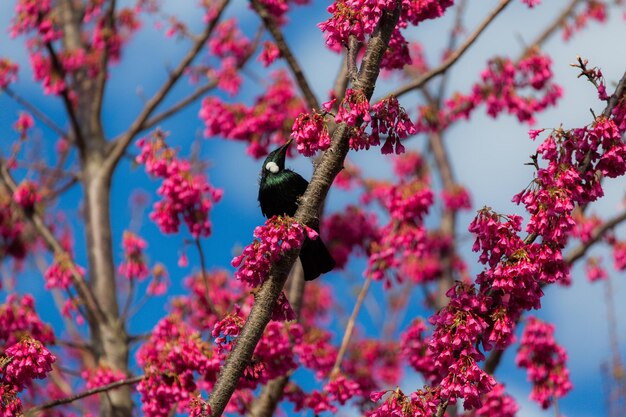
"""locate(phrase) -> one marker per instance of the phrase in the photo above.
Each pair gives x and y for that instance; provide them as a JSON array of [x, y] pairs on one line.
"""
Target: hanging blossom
[[580, 18], [522, 89], [36, 16], [403, 241], [545, 362], [61, 273], [390, 119], [359, 18], [310, 133], [26, 195], [268, 121], [454, 346], [269, 53], [134, 265], [171, 359], [279, 235], [457, 198], [496, 403], [18, 317], [414, 348], [28, 359], [531, 3], [228, 41], [619, 255], [594, 269], [186, 195]]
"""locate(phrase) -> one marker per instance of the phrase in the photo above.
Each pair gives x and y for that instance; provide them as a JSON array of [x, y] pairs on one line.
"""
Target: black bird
[[279, 191]]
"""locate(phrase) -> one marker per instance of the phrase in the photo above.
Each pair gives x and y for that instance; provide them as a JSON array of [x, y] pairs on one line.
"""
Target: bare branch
[[453, 57], [120, 144], [552, 28], [200, 91], [88, 393], [350, 328], [286, 53]]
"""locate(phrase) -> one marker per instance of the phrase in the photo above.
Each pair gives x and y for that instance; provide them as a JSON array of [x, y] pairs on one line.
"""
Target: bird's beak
[[283, 149]]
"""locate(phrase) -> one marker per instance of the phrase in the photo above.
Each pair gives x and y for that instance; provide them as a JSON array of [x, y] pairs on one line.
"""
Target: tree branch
[[580, 251], [119, 145], [35, 111], [350, 328], [88, 393], [330, 165], [453, 57], [69, 107], [551, 29], [85, 294], [285, 51]]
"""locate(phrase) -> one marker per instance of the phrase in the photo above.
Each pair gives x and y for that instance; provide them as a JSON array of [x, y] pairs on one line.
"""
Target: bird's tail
[[315, 258]]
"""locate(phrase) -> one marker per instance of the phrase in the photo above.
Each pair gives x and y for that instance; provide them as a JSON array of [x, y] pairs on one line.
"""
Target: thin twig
[[286, 53], [205, 277], [453, 57], [350, 328], [35, 111], [88, 393], [199, 92]]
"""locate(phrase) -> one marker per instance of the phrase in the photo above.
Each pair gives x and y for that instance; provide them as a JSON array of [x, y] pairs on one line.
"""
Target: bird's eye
[[272, 167]]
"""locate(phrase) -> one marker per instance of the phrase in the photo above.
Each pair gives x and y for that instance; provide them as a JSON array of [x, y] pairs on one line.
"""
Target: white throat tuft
[[272, 167]]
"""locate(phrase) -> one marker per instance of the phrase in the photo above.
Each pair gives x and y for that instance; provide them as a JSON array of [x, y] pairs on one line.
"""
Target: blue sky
[[479, 149]]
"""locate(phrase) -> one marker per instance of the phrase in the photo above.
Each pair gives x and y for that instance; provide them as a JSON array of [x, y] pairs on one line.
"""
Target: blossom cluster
[[522, 89], [19, 317], [171, 358], [276, 237], [359, 19], [25, 361], [266, 122], [61, 273], [101, 376], [310, 133], [545, 362], [26, 195], [403, 246], [186, 195], [385, 118]]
